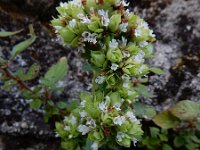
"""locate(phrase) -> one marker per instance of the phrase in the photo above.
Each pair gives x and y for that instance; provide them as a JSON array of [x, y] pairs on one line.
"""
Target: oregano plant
[[116, 43]]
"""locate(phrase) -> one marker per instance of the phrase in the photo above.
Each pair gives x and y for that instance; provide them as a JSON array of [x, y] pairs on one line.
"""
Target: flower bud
[[95, 27], [111, 80], [106, 119], [96, 135], [114, 22], [67, 35], [136, 70], [114, 55], [98, 58]]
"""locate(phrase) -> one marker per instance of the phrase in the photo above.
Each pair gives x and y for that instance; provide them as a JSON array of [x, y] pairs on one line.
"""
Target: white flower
[[67, 128], [139, 57], [127, 12], [114, 66], [120, 136], [130, 92], [144, 25], [83, 129], [122, 2], [58, 27], [104, 17], [141, 69], [123, 27], [126, 54], [113, 44], [63, 4], [103, 107], [134, 141], [77, 3], [70, 136], [73, 120], [91, 122], [95, 146], [126, 85], [93, 37], [100, 79], [82, 104], [107, 98], [138, 32], [102, 12], [105, 21], [88, 37], [84, 19], [72, 23], [143, 44], [119, 120], [83, 114], [56, 134], [123, 41], [117, 106], [151, 33], [132, 117], [66, 119], [126, 77]]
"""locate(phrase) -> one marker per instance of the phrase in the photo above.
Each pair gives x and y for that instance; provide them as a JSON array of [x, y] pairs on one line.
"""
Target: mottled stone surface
[[177, 26]]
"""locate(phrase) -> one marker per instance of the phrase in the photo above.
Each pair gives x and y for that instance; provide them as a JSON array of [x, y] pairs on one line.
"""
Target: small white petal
[[67, 128], [114, 66], [120, 136], [66, 119], [91, 122], [143, 44], [123, 27], [139, 57], [82, 104], [100, 79], [94, 146], [73, 120], [72, 23], [83, 129], [113, 44], [132, 117], [151, 33], [83, 114], [103, 106], [119, 120], [126, 77]]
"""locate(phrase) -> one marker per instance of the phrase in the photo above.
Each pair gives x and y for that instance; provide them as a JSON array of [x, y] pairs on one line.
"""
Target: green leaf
[[166, 147], [30, 75], [154, 132], [143, 90], [36, 104], [179, 141], [144, 111], [186, 110], [163, 137], [157, 70], [72, 105], [2, 61], [61, 105], [55, 73], [23, 45], [87, 67], [7, 33], [166, 120]]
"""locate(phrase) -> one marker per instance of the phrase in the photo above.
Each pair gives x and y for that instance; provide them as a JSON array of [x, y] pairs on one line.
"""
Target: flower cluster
[[116, 42]]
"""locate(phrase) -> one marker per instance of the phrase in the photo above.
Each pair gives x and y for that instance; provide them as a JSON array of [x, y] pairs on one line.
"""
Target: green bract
[[116, 43]]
